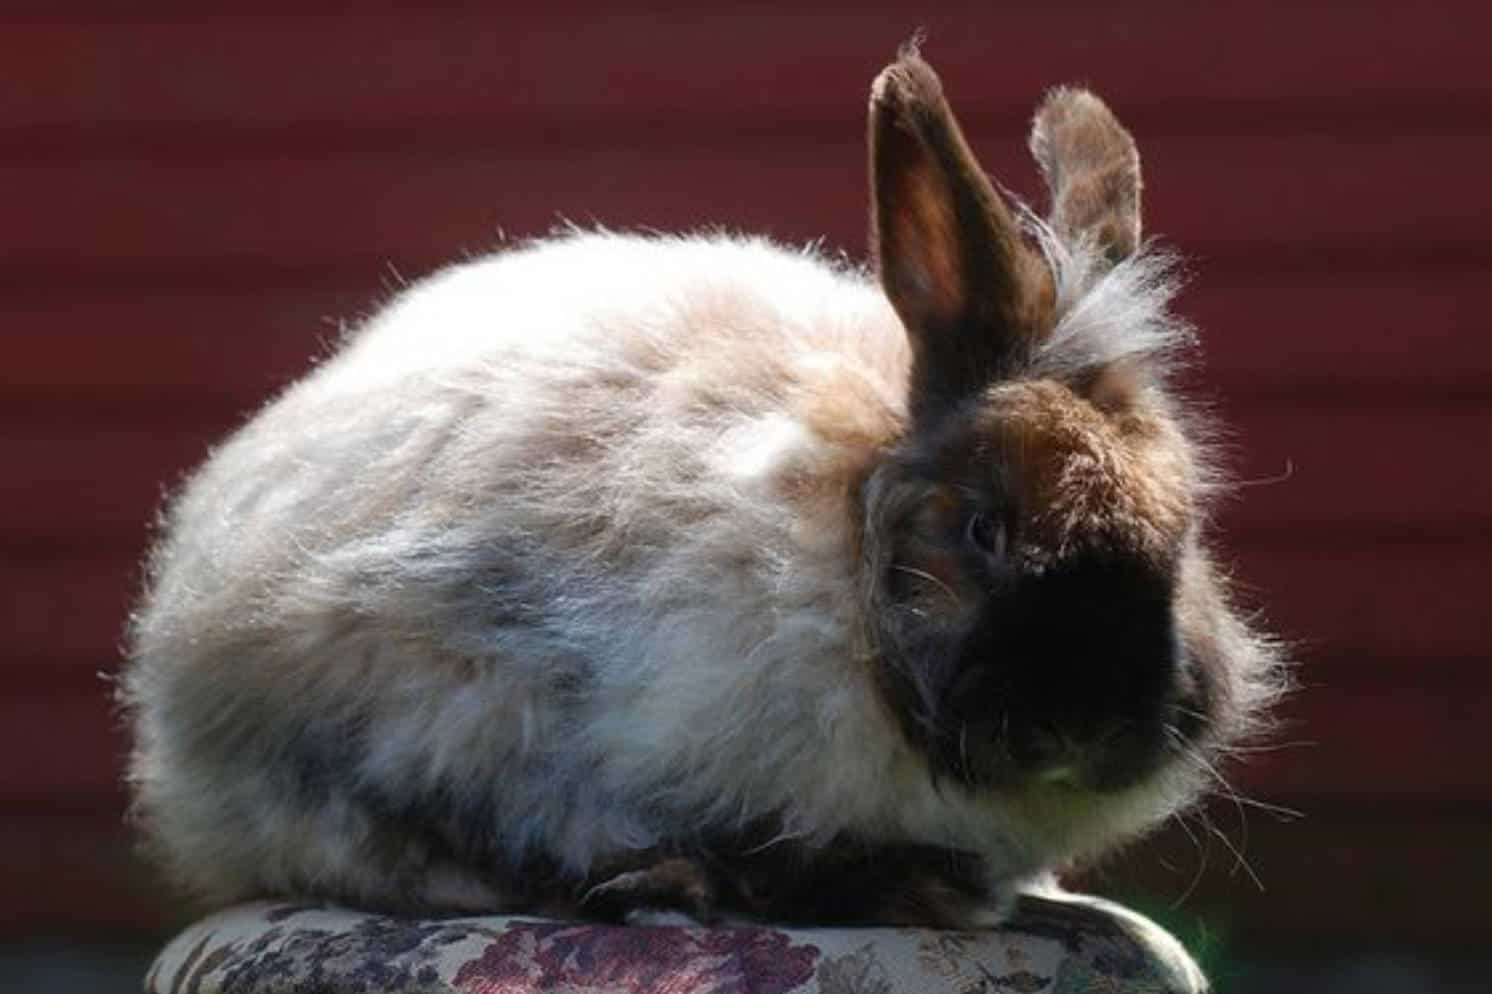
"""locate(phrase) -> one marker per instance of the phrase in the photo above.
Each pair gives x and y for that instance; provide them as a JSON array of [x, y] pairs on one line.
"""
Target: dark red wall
[[191, 201]]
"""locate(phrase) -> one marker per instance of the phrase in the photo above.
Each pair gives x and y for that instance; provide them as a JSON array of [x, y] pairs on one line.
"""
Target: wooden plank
[[1268, 203], [1389, 734], [61, 740], [1341, 466], [1347, 600], [75, 485], [1264, 335], [145, 347], [476, 71], [65, 614], [1340, 334], [76, 872]]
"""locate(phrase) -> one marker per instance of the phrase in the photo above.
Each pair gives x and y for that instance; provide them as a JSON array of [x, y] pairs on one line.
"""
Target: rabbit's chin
[[1070, 823]]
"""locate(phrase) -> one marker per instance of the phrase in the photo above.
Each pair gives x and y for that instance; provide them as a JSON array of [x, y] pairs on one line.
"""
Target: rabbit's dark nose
[[1041, 749], [1069, 678]]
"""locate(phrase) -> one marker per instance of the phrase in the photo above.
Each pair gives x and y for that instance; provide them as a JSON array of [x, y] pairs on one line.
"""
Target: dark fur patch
[[1072, 666], [652, 881], [757, 873], [449, 823], [850, 881]]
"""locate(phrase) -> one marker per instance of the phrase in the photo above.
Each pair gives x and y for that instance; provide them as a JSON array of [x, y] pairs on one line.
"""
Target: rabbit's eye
[[986, 533]]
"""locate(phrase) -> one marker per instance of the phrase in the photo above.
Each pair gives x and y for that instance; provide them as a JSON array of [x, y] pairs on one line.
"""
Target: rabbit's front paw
[[668, 884]]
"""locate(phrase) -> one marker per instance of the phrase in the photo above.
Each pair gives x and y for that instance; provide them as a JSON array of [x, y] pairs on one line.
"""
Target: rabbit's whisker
[[1266, 481], [924, 575], [1203, 855], [1240, 803]]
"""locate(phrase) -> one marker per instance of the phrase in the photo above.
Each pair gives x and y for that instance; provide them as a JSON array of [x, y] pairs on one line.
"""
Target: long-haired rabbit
[[618, 572]]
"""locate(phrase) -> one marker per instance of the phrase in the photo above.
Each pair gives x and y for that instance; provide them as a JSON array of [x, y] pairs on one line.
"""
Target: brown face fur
[[1041, 606]]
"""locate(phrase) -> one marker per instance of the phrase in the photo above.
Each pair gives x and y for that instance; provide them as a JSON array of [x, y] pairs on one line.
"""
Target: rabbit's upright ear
[[1092, 169], [950, 255]]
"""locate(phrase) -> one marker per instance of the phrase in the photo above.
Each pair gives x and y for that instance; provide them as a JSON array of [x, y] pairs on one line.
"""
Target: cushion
[[1050, 945]]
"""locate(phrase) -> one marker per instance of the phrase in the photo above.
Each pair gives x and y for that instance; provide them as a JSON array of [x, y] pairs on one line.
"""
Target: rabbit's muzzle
[[1074, 675]]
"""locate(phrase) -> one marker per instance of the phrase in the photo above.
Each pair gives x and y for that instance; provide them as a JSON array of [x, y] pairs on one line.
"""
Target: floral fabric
[[1062, 945]]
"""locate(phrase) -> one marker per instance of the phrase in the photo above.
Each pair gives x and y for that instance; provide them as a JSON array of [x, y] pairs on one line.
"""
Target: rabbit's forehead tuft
[[1080, 478]]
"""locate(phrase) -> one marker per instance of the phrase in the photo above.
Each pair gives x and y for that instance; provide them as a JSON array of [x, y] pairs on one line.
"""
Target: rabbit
[[614, 575]]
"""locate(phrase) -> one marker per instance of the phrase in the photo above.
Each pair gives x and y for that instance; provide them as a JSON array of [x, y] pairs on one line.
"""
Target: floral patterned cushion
[[1052, 945]]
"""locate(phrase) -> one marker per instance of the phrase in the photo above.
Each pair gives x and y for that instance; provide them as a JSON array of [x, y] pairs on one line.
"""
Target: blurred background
[[194, 198]]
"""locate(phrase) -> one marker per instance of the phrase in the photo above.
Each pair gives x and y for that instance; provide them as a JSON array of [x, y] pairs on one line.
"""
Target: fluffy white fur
[[521, 547]]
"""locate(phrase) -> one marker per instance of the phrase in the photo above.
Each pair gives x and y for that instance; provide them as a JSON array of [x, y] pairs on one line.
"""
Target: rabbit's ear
[[1092, 169], [950, 255]]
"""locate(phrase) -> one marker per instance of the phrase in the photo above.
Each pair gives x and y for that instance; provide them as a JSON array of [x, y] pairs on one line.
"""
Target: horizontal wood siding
[[196, 200]]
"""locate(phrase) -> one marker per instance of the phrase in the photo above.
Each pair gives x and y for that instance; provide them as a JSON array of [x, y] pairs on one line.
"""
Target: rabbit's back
[[526, 566]]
